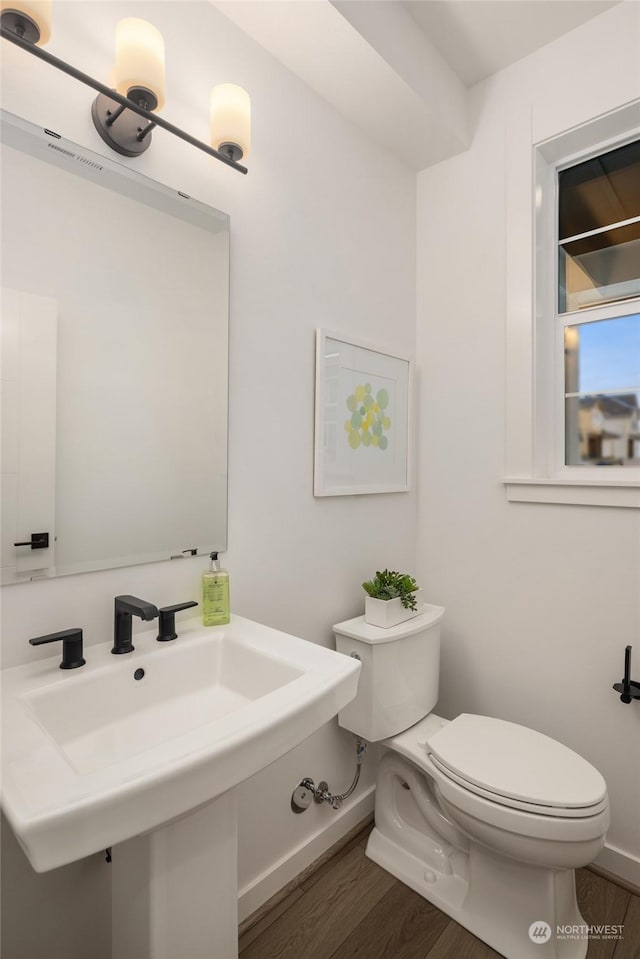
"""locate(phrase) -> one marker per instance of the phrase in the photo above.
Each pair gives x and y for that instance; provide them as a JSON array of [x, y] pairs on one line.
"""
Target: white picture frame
[[362, 418]]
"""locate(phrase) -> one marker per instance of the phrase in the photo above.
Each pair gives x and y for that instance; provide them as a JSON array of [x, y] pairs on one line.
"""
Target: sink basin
[[94, 756], [109, 716]]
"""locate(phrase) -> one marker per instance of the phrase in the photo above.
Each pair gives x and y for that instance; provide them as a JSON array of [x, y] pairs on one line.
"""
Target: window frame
[[591, 314], [536, 469]]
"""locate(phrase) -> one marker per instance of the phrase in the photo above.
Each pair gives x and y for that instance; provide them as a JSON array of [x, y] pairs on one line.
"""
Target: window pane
[[599, 269], [599, 229], [602, 392], [600, 191], [603, 356], [602, 430]]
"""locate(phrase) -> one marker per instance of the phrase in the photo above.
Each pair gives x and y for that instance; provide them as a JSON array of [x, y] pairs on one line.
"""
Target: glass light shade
[[139, 58], [231, 117], [39, 11]]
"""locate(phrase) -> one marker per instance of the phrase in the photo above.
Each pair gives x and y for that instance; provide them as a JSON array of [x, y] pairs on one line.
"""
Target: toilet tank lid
[[357, 628], [516, 762]]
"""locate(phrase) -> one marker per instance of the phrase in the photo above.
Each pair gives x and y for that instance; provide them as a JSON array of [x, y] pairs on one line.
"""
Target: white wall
[[322, 234], [541, 599]]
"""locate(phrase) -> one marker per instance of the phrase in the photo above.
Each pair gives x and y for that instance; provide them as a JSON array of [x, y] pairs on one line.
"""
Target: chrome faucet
[[126, 607]]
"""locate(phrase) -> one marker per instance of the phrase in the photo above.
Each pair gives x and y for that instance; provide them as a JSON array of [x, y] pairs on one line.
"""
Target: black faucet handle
[[167, 626], [71, 640]]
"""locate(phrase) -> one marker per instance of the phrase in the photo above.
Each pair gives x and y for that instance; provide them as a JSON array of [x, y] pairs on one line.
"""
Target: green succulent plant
[[391, 585]]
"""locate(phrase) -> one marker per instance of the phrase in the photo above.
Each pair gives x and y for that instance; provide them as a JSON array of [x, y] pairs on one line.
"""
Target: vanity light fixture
[[140, 88], [139, 76]]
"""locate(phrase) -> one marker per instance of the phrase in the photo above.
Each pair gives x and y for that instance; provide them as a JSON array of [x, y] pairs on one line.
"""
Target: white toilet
[[484, 818]]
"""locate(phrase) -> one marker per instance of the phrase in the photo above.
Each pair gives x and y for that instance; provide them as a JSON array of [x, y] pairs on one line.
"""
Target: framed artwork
[[362, 422]]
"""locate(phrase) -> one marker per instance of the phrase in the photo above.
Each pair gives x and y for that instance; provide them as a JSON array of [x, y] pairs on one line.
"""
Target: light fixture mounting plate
[[20, 24], [122, 134]]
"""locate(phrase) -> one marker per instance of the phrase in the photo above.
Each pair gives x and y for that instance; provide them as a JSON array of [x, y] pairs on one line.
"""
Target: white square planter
[[387, 612]]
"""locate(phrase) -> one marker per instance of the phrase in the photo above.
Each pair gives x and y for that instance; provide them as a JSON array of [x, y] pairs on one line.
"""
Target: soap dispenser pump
[[215, 594]]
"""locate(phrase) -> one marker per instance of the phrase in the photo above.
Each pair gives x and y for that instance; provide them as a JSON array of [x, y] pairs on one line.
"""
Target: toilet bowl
[[485, 818]]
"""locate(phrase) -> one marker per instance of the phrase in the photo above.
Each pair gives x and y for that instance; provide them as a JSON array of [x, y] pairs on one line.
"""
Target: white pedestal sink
[[175, 890], [150, 745]]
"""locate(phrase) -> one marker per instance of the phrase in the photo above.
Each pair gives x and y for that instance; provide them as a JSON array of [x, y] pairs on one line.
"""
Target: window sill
[[574, 492]]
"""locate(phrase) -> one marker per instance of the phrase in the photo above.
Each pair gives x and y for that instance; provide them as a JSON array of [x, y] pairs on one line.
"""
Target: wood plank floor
[[350, 908]]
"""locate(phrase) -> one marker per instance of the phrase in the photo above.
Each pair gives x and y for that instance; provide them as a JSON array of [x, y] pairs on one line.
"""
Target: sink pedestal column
[[175, 890]]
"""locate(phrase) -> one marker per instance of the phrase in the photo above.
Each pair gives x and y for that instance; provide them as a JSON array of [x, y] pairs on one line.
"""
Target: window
[[573, 310], [598, 304]]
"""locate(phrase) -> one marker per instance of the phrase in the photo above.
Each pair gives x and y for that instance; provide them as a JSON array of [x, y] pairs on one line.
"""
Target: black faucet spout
[[124, 608]]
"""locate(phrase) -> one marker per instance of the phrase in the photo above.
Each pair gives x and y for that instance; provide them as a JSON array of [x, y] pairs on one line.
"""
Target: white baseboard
[[620, 864], [268, 883]]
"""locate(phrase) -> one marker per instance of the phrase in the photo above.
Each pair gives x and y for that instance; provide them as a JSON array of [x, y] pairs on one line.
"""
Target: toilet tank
[[399, 679]]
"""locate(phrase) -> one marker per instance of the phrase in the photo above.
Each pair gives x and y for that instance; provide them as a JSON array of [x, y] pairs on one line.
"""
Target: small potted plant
[[391, 599]]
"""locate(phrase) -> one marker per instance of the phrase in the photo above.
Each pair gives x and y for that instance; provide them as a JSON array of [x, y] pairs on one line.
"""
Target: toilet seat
[[516, 767], [579, 812]]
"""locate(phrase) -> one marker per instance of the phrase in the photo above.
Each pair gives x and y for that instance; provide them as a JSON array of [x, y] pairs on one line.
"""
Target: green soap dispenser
[[215, 594]]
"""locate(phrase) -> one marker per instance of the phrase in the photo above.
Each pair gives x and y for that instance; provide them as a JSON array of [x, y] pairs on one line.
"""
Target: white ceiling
[[407, 63], [480, 37]]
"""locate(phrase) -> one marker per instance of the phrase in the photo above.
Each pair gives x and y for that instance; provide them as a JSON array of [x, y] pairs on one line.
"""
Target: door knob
[[37, 541]]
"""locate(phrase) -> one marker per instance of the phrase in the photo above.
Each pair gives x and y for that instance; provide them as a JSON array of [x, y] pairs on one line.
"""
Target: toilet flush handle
[[627, 688]]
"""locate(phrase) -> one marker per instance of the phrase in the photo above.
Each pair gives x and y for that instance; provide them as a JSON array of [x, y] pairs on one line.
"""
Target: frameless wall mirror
[[115, 295]]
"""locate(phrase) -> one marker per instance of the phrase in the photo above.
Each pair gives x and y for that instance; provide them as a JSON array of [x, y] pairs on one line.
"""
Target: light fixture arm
[[149, 127], [114, 116], [117, 97]]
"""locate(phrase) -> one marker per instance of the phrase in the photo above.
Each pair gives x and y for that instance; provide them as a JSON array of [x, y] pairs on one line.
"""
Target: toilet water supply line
[[307, 791]]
